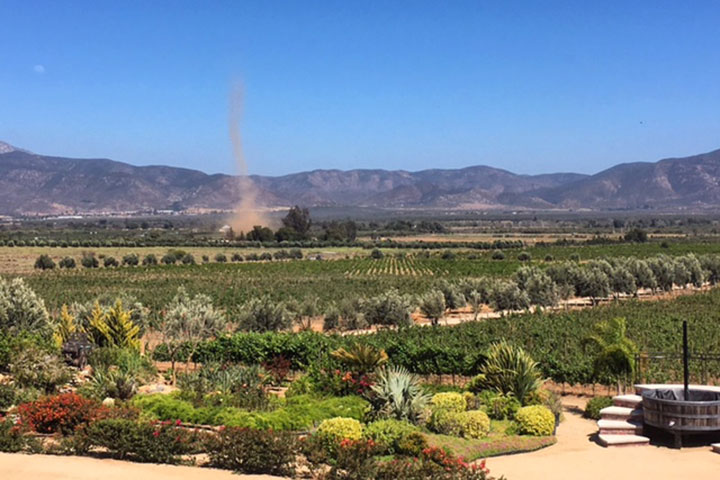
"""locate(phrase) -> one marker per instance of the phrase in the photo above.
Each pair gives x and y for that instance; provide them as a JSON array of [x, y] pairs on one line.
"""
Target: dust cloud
[[247, 214]]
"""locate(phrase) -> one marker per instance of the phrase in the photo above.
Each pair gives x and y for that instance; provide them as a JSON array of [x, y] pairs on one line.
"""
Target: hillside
[[38, 184]]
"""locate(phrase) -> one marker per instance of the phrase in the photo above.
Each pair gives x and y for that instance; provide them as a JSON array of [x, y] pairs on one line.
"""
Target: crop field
[[346, 272]]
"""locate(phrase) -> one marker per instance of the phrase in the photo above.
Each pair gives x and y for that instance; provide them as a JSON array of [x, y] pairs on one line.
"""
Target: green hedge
[[300, 412]]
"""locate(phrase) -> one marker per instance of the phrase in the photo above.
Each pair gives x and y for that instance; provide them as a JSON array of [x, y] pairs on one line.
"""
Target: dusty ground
[[47, 467], [576, 456]]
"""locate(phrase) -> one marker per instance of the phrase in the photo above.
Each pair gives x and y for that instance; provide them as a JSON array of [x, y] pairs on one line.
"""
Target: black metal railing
[[667, 367]]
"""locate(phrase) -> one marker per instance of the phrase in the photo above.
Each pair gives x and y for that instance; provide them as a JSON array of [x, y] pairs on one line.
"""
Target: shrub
[[474, 424], [59, 414], [236, 257], [157, 442], [535, 420], [131, 260], [150, 259], [89, 261], [169, 259], [594, 405], [432, 305], [12, 438], [448, 402], [113, 327], [377, 254], [398, 394], [499, 406], [249, 451], [188, 259], [389, 308], [389, 433], [524, 257], [21, 309], [498, 255], [412, 444], [44, 262], [32, 367], [508, 369], [446, 422], [110, 262], [67, 262], [7, 396], [265, 314], [220, 258], [340, 428]]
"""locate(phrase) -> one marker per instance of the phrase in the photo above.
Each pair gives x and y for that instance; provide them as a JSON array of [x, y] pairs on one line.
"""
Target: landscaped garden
[[249, 386]]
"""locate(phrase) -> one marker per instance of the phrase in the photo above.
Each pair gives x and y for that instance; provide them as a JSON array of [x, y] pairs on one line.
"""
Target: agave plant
[[399, 395], [509, 370], [361, 358]]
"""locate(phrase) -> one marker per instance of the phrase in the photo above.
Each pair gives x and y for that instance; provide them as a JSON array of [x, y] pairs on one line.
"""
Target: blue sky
[[532, 87]]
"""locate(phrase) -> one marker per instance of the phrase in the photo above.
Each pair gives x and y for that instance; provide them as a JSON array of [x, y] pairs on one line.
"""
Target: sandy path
[[50, 467], [576, 456]]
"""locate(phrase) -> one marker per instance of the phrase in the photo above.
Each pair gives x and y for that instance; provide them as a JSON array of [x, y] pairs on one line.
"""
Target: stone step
[[621, 413], [623, 440], [630, 401], [716, 447], [620, 427]]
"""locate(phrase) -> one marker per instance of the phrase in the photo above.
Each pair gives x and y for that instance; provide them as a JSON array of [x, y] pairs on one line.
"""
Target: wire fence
[[664, 367]]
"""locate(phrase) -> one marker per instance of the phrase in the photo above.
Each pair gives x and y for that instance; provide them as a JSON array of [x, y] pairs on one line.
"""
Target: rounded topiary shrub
[[447, 422], [535, 420], [340, 428], [594, 405], [448, 402], [389, 433], [474, 424]]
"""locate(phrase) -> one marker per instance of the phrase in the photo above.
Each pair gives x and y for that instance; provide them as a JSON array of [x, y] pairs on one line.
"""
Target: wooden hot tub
[[668, 409]]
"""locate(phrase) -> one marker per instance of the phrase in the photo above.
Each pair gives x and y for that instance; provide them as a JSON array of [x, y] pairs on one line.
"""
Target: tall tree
[[299, 220]]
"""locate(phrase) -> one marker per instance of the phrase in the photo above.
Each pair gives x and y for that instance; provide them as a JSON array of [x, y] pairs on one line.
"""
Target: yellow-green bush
[[448, 402], [474, 424], [446, 422], [341, 428], [535, 420], [389, 433]]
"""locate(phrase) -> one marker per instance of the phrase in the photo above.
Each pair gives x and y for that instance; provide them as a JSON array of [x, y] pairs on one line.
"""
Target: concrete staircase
[[621, 425]]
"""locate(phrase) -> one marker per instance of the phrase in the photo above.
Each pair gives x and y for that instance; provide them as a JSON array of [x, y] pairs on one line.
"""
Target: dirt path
[[576, 456], [49, 467]]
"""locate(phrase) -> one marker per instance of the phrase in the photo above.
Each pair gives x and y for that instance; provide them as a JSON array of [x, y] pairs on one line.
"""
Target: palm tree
[[614, 352], [361, 358]]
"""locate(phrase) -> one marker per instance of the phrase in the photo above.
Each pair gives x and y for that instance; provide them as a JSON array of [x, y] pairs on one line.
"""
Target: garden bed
[[497, 442]]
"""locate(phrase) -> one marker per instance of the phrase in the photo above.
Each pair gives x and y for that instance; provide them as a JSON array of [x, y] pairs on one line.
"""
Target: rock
[[156, 388], [109, 402]]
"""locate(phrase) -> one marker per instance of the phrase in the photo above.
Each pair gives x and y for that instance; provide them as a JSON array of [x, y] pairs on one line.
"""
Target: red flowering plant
[[62, 413]]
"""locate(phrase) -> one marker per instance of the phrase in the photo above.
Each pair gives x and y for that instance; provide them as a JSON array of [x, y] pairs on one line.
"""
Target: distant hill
[[38, 184]]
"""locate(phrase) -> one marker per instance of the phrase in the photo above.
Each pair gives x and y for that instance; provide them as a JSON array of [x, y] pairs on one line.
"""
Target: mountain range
[[33, 184]]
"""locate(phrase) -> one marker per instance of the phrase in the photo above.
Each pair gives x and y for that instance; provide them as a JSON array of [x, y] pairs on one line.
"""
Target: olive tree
[[186, 322], [389, 308], [265, 315], [21, 309], [432, 305], [506, 295]]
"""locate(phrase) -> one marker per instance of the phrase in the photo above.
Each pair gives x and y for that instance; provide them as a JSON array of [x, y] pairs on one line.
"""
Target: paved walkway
[[577, 457], [50, 467]]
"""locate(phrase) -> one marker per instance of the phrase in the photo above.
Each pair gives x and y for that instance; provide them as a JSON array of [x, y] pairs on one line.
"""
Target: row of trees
[[173, 257]]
